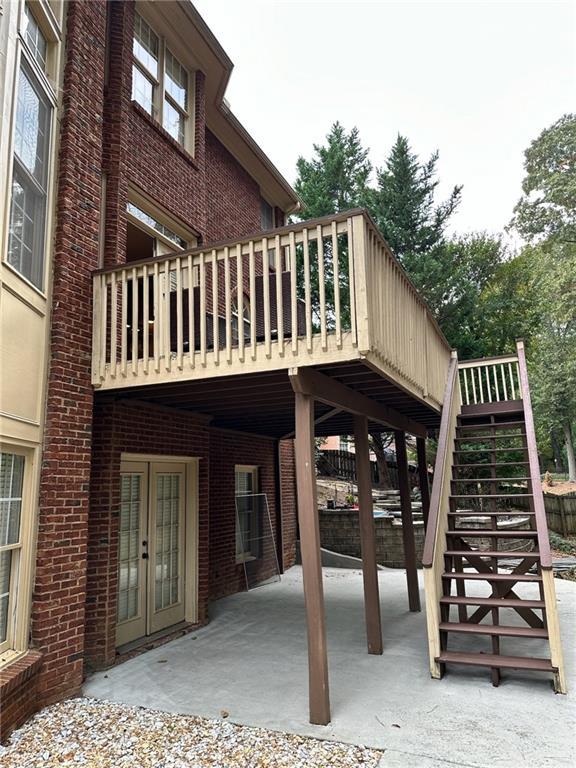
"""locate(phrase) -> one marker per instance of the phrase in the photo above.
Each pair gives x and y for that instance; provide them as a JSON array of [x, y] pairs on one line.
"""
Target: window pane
[[26, 229], [32, 128], [145, 45], [144, 217], [176, 80], [5, 567], [173, 122], [11, 484], [142, 90], [266, 215], [35, 40]]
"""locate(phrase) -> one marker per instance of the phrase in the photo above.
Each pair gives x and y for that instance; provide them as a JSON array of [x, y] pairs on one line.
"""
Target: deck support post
[[423, 479], [367, 536], [407, 522], [319, 698]]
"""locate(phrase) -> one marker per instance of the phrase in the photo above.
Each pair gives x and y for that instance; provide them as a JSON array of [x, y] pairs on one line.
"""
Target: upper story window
[[160, 84], [266, 215], [34, 38], [26, 243]]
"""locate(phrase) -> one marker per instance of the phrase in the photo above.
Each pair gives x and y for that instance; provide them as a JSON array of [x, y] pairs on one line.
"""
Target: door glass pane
[[167, 573], [129, 547]]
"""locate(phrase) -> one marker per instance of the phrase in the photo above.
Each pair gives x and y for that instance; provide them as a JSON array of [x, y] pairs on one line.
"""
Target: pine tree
[[404, 209]]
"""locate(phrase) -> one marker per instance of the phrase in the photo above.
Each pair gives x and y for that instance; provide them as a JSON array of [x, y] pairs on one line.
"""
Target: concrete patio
[[251, 662]]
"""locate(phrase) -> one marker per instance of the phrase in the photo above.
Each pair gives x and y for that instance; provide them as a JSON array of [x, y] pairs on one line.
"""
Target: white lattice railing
[[490, 380]]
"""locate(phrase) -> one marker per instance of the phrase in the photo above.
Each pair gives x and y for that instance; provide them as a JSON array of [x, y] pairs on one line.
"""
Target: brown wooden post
[[319, 698], [423, 478], [407, 522], [367, 535]]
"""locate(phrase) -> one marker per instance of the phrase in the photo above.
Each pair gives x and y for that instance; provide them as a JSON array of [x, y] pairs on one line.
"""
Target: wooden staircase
[[488, 570]]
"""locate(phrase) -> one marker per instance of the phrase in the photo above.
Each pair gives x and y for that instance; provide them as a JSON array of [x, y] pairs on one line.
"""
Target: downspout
[[278, 493]]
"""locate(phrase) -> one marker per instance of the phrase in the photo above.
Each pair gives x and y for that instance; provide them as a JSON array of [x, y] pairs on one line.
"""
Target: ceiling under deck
[[263, 403]]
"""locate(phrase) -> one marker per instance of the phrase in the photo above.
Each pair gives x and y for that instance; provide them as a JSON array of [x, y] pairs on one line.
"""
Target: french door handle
[[145, 555]]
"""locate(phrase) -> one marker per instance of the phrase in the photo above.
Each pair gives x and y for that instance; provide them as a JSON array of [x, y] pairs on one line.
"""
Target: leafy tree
[[336, 177], [457, 274], [403, 207], [547, 209]]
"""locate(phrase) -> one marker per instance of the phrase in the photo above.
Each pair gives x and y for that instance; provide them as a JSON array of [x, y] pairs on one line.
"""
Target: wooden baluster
[[252, 269], [293, 294], [203, 308], [266, 298], [518, 379], [466, 386], [104, 316], [279, 296], [240, 300], [479, 374], [512, 387], [134, 329], [473, 379], [145, 318], [228, 304], [351, 283], [191, 328], [336, 271], [215, 324], [124, 329], [307, 293], [97, 327], [179, 317], [166, 315], [113, 324], [321, 287], [486, 370], [503, 379], [157, 317]]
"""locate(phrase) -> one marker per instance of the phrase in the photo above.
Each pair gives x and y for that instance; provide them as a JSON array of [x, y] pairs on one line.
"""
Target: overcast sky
[[475, 80]]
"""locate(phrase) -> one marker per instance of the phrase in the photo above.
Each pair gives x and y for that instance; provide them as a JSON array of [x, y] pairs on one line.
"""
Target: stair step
[[512, 449], [490, 479], [492, 660], [496, 425], [515, 555], [497, 513], [491, 602], [486, 438], [492, 629], [488, 532], [490, 495], [463, 576], [489, 465]]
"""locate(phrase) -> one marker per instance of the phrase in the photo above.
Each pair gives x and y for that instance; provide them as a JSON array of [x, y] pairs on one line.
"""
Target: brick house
[[142, 157], [172, 349]]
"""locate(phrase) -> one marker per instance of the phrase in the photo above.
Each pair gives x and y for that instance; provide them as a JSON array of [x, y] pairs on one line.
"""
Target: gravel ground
[[99, 734]]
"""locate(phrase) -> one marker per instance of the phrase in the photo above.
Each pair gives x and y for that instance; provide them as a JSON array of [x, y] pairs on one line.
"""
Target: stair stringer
[[435, 543]]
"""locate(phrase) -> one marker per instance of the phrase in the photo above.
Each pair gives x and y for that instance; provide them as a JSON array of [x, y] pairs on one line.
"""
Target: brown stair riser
[[493, 660], [492, 602], [511, 577], [493, 630]]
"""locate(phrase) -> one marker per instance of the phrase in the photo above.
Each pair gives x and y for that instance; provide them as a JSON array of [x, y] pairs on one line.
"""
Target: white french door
[[151, 548]]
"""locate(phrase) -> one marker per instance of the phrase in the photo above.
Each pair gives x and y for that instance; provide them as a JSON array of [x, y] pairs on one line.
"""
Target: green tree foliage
[[547, 209], [403, 207], [336, 177]]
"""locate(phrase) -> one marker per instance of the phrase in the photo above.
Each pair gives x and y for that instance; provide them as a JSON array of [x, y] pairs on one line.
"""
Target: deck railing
[[319, 291], [490, 380]]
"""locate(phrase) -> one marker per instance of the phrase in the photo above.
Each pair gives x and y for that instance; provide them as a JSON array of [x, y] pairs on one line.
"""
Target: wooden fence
[[342, 464], [560, 513]]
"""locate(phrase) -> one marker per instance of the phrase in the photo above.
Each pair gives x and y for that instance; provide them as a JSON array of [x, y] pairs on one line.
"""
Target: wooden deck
[[326, 293]]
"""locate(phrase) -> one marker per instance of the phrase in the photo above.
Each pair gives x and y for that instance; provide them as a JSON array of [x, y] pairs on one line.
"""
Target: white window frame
[[246, 555], [22, 566], [46, 80], [160, 93]]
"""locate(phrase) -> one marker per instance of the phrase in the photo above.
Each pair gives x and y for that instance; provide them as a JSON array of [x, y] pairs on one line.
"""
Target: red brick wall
[[232, 196], [227, 449], [60, 583], [19, 689], [289, 502]]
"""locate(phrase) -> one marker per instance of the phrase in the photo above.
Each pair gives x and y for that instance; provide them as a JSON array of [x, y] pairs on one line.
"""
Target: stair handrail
[[443, 458], [532, 450]]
